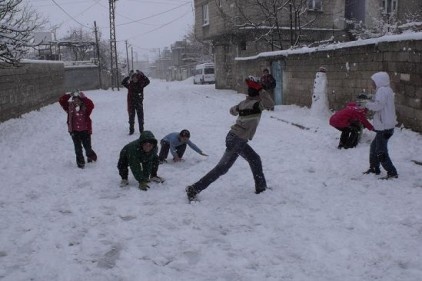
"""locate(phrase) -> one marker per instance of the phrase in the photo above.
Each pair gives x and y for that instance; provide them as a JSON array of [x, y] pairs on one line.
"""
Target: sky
[[146, 25], [320, 219]]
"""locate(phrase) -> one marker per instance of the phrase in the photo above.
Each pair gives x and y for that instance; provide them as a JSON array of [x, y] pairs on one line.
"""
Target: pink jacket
[[87, 106], [352, 113]]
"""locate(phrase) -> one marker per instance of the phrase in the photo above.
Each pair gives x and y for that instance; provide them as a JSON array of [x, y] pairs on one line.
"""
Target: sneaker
[[124, 183], [191, 192], [162, 161], [81, 165], [372, 171], [131, 131], [157, 179], [389, 177]]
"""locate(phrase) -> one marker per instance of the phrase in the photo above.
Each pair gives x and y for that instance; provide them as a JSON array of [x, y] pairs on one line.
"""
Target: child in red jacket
[[349, 121], [79, 108]]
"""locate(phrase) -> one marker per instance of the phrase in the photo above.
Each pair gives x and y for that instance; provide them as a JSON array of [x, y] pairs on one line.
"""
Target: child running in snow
[[249, 114]]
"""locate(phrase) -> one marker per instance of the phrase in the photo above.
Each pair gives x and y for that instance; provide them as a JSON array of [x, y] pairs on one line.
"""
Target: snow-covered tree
[[17, 24]]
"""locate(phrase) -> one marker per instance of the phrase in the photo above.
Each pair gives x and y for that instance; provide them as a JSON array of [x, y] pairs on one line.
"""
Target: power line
[[64, 11], [161, 26], [126, 23]]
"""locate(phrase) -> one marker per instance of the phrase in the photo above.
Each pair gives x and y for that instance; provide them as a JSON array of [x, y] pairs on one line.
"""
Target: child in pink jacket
[[349, 121]]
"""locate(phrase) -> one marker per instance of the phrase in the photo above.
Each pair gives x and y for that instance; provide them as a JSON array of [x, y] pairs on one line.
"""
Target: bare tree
[[17, 24], [79, 45], [201, 50], [273, 22]]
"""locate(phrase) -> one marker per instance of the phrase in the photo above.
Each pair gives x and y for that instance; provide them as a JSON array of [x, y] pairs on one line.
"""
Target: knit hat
[[184, 133]]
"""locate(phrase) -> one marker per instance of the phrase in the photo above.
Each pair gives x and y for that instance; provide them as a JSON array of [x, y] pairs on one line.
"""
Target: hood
[[148, 136], [381, 79]]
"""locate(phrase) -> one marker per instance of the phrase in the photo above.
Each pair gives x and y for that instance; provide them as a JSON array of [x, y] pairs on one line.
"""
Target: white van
[[204, 73]]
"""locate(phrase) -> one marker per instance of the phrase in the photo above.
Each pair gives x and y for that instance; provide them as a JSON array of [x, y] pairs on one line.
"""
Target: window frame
[[205, 15], [313, 5]]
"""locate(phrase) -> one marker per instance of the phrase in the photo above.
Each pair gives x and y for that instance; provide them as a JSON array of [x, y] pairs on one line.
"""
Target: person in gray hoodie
[[384, 121], [249, 114]]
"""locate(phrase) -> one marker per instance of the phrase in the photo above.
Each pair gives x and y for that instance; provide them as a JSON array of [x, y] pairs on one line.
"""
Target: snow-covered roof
[[304, 50]]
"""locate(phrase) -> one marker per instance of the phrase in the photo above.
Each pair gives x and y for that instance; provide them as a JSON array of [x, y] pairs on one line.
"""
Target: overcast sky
[[146, 25]]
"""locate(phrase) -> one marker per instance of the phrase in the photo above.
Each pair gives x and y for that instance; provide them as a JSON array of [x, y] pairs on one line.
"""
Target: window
[[390, 6], [205, 16], [315, 5]]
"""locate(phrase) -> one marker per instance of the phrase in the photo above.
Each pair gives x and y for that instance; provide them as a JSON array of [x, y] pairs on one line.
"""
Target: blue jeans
[[378, 153], [235, 146]]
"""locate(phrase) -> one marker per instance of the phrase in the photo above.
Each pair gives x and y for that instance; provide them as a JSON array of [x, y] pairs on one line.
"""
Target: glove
[[252, 84], [143, 186]]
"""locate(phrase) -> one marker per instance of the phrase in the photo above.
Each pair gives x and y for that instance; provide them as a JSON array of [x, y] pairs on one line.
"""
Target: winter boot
[[191, 192], [372, 170], [258, 190], [92, 157], [124, 183], [157, 179], [389, 177]]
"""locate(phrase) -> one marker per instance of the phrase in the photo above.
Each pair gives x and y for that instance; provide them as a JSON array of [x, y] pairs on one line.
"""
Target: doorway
[[277, 72]]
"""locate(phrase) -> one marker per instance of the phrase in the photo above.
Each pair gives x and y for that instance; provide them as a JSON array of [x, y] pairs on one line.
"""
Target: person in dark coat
[[349, 121], [135, 83], [78, 108], [268, 83], [142, 159], [249, 114]]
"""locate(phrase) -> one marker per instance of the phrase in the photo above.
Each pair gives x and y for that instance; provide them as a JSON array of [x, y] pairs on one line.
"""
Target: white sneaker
[[157, 179], [124, 183]]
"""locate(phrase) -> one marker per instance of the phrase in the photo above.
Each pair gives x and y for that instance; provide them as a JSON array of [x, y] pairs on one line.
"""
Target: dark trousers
[[83, 139], [165, 147], [378, 153], [349, 137], [136, 109], [235, 146]]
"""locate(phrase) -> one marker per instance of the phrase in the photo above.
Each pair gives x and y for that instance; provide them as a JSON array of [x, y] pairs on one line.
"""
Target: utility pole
[[113, 49], [131, 54], [127, 59], [98, 55]]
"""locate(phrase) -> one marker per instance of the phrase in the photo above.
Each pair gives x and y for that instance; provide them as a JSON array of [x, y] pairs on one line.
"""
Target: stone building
[[241, 28]]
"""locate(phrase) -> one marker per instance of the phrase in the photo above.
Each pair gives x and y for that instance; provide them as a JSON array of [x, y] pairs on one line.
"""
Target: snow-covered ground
[[322, 220]]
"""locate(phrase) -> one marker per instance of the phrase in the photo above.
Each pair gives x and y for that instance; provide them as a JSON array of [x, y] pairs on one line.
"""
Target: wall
[[29, 87], [84, 78], [348, 72]]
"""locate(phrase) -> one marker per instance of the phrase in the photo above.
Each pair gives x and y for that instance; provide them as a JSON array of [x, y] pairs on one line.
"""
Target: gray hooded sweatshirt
[[383, 104]]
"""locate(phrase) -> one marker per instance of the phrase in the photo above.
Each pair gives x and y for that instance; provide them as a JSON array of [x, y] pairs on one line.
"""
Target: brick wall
[[348, 73], [29, 87]]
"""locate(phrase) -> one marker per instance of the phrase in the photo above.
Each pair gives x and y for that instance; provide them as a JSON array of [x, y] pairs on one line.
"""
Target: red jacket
[[350, 114], [69, 107]]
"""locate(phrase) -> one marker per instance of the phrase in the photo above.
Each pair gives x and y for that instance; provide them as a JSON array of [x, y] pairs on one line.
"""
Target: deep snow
[[322, 219]]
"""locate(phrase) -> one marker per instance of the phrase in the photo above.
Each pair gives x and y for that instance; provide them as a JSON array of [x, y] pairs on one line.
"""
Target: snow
[[322, 219], [386, 38]]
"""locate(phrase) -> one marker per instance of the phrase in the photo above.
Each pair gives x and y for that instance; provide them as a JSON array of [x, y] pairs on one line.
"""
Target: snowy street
[[322, 219]]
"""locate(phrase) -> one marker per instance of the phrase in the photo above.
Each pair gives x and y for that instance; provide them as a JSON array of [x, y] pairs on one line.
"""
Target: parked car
[[204, 73]]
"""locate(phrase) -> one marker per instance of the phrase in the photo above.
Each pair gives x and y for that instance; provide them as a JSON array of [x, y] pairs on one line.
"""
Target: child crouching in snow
[[349, 121], [141, 157], [78, 108]]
